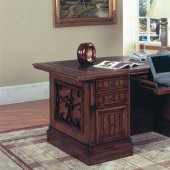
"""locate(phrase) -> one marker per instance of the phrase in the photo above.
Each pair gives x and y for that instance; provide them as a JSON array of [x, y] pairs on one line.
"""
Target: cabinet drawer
[[113, 83], [111, 98]]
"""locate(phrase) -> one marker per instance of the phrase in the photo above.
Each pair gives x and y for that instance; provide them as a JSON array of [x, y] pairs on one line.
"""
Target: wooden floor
[[24, 115]]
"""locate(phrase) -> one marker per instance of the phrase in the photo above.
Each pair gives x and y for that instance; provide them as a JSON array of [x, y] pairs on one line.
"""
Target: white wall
[[27, 36]]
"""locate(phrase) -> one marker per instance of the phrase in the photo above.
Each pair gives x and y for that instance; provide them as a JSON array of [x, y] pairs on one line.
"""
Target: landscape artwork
[[84, 8], [84, 12]]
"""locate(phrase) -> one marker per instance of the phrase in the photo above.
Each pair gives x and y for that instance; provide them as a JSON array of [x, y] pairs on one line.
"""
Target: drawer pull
[[112, 98], [111, 84], [112, 125]]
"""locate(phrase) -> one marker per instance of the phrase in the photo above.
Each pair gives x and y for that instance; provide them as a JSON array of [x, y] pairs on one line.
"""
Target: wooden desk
[[90, 109]]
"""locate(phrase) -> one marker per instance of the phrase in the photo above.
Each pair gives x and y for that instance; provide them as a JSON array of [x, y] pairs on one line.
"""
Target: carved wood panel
[[112, 124], [69, 104]]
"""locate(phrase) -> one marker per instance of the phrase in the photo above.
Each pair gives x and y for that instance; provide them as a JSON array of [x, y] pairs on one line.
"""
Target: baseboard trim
[[24, 93]]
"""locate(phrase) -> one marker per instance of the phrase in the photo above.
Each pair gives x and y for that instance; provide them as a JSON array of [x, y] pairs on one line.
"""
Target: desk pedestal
[[90, 120], [90, 109]]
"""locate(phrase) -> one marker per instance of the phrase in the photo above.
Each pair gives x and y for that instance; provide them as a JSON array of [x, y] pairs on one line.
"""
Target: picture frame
[[84, 12]]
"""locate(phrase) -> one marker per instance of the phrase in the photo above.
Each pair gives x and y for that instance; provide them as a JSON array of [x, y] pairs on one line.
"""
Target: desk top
[[72, 69]]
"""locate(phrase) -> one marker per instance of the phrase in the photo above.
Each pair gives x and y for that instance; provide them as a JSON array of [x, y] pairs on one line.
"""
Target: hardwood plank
[[24, 115]]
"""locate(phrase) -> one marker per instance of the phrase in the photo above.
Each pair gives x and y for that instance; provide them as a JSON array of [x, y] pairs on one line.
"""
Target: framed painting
[[84, 12]]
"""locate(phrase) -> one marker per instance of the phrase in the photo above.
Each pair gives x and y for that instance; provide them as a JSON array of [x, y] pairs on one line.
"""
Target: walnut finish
[[90, 109]]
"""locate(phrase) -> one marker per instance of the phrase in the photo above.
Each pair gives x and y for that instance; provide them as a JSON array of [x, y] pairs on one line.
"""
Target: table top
[[72, 69]]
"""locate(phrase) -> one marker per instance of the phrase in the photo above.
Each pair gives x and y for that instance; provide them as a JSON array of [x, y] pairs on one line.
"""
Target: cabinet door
[[112, 124]]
